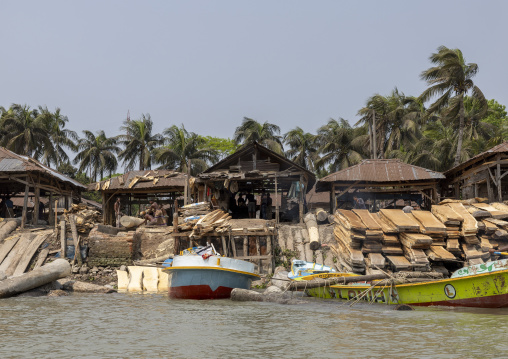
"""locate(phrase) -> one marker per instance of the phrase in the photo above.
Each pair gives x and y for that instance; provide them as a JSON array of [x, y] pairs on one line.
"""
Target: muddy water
[[152, 326]]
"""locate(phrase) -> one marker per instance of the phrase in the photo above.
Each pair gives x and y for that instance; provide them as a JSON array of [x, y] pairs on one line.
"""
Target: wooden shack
[[386, 180], [484, 175], [136, 188], [256, 169], [22, 175]]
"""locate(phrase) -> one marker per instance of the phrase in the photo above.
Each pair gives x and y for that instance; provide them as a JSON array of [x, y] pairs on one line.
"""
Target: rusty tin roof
[[12, 163], [384, 170], [165, 179], [501, 148]]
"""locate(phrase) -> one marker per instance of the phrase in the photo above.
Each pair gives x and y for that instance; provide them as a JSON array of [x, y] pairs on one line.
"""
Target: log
[[321, 214], [83, 287], [7, 228], [48, 273], [245, 295], [131, 222], [315, 283], [63, 240], [311, 223]]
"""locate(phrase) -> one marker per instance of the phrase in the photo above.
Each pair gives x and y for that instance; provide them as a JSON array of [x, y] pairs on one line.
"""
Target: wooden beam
[[25, 205]]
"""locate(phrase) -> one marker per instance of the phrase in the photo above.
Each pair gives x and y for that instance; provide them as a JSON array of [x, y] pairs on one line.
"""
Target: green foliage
[[284, 257], [497, 114], [223, 146]]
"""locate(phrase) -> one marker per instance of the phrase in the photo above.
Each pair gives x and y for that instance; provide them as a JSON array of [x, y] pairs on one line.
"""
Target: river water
[[152, 326]]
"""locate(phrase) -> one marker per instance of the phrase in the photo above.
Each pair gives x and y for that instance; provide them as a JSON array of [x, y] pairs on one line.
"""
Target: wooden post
[[35, 220], [476, 189], [175, 217], [300, 211], [56, 214], [75, 237], [224, 246], [50, 209], [63, 240], [276, 201], [185, 191], [232, 242], [188, 182], [489, 189], [258, 251], [245, 246], [104, 214], [25, 204], [498, 179]]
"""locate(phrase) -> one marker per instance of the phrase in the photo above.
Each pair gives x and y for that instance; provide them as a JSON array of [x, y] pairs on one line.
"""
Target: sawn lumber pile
[[86, 217]]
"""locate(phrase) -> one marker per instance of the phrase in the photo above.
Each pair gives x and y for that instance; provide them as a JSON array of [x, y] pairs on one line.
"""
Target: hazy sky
[[207, 64]]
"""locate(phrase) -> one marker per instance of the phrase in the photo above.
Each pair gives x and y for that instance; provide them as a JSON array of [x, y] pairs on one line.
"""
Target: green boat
[[481, 286]]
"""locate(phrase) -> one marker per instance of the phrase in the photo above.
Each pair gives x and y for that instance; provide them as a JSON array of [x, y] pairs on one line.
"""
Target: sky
[[209, 64]]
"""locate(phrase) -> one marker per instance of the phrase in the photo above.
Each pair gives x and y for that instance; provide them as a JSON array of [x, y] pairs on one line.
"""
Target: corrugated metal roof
[[173, 179], [391, 170], [503, 147], [12, 162]]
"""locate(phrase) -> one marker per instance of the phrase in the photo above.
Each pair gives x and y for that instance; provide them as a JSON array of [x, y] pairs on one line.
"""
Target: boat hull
[[488, 290], [192, 277]]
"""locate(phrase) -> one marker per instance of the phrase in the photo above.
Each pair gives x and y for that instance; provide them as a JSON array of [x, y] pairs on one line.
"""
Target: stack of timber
[[194, 209], [400, 220], [86, 217], [350, 234], [430, 226], [469, 225], [216, 220], [21, 251], [452, 220], [373, 242], [493, 211]]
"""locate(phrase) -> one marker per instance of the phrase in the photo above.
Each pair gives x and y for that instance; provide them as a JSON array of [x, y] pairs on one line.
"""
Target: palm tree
[[97, 153], [139, 143], [266, 134], [337, 145], [59, 136], [451, 79], [24, 131], [183, 146], [302, 148]]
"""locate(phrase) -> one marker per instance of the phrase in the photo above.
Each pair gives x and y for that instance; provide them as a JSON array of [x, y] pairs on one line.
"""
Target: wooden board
[[399, 262], [7, 246], [400, 220], [368, 219], [469, 225], [429, 222], [446, 214], [489, 226], [478, 213], [11, 261], [393, 250], [442, 254], [29, 253], [415, 240], [386, 227], [375, 259], [500, 206], [470, 251], [351, 220], [492, 210]]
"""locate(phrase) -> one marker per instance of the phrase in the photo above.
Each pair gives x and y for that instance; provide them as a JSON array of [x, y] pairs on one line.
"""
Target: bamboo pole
[[25, 205]]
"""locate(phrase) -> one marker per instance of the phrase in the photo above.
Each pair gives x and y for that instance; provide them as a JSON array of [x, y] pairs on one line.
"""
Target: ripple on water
[[152, 326]]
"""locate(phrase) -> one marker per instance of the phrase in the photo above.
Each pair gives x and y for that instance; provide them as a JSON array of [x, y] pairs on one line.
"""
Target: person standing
[[251, 205], [118, 213], [263, 205], [359, 203], [268, 207]]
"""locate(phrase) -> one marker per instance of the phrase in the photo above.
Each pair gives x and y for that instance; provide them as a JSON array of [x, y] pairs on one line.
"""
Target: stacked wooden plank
[[211, 222], [194, 209], [350, 233], [431, 226], [18, 250], [417, 258], [373, 234], [86, 217], [439, 254], [469, 225], [494, 212], [452, 220], [391, 245], [399, 220]]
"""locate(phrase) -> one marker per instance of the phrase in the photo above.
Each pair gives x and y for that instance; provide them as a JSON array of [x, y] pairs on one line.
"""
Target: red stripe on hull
[[497, 301], [199, 292]]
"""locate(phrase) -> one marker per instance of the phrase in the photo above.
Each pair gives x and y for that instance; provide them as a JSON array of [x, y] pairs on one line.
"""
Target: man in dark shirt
[[359, 203]]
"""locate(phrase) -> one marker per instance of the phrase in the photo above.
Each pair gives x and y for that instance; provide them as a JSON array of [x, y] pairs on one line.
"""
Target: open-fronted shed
[[381, 179], [136, 188], [22, 175], [484, 175], [255, 169]]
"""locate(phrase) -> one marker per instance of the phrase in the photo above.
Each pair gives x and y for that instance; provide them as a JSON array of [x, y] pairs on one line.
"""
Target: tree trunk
[[461, 130]]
